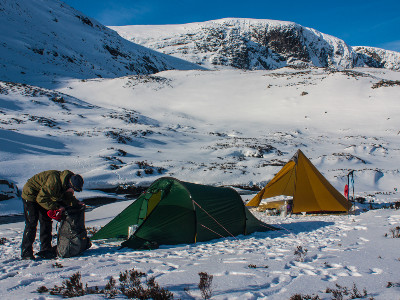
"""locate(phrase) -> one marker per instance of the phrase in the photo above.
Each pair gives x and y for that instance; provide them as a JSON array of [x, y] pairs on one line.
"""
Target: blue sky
[[357, 22]]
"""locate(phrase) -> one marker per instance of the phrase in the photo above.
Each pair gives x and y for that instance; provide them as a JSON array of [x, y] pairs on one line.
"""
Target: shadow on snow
[[18, 143]]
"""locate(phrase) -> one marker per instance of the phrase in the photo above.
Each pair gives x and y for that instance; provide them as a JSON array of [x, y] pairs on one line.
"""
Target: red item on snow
[[346, 191], [55, 214]]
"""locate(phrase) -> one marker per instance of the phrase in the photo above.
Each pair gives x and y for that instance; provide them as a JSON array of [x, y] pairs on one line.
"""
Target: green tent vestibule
[[174, 212]]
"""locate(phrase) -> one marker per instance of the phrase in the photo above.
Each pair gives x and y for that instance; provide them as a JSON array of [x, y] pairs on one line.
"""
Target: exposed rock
[[378, 58]]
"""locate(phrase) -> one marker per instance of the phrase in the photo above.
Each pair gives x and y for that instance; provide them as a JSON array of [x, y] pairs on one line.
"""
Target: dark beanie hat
[[77, 182]]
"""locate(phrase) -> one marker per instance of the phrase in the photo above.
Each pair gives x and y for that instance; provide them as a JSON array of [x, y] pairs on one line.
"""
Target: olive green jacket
[[48, 188]]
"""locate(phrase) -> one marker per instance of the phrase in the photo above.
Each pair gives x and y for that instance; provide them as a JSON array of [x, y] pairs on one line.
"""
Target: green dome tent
[[174, 212]]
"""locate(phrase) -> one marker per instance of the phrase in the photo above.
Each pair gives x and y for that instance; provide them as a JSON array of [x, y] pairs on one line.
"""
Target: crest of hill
[[256, 45], [47, 39]]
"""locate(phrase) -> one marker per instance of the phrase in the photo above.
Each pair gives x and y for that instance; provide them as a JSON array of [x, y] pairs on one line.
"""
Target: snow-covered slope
[[248, 44], [46, 39], [224, 127], [349, 251]]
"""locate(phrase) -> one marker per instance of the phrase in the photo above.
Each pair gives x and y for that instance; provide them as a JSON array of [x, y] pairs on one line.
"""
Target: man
[[46, 194]]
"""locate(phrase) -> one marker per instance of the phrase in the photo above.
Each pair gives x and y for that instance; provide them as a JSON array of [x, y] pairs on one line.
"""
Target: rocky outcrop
[[378, 58]]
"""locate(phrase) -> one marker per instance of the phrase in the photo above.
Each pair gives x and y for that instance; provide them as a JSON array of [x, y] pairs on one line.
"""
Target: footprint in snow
[[329, 278], [25, 282], [102, 260], [10, 260], [353, 271], [171, 267], [275, 281], [11, 274], [332, 266], [394, 220], [375, 271], [360, 228], [73, 268]]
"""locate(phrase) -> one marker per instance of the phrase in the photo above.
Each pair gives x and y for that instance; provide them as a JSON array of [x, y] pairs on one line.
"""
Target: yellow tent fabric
[[310, 190]]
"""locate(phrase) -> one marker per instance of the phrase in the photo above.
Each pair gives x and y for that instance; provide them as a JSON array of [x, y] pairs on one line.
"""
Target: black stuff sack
[[72, 237]]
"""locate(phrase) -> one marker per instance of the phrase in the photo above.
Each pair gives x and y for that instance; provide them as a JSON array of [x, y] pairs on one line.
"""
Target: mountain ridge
[[256, 44]]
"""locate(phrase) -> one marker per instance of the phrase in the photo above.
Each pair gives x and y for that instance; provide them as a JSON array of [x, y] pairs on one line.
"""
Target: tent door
[[151, 201]]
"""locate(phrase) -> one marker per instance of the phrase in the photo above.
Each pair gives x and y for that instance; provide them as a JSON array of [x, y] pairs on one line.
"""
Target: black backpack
[[72, 237]]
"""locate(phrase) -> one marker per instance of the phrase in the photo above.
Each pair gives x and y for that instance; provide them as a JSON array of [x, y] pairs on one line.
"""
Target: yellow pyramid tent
[[310, 190]]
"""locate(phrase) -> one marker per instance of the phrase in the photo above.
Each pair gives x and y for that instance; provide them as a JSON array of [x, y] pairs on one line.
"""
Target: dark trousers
[[33, 213]]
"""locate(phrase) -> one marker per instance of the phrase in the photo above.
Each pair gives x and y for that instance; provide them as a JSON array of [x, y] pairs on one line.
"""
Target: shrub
[[385, 83], [148, 169], [252, 266], [397, 205], [304, 297], [130, 283], [205, 285], [338, 293], [42, 289], [57, 99], [341, 291], [392, 284], [110, 290], [58, 265], [155, 292], [71, 287], [301, 253], [395, 232], [130, 286]]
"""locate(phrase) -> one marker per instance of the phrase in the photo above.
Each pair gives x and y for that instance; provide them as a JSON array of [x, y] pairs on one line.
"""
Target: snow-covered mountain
[[47, 39], [378, 58], [255, 45]]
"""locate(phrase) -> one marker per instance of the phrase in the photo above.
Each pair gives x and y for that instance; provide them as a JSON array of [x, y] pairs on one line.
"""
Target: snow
[[344, 250], [67, 44], [225, 127]]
